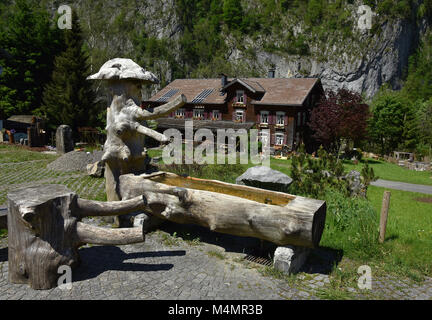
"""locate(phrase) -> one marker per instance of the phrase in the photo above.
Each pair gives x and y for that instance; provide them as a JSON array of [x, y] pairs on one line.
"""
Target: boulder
[[96, 169], [290, 259], [357, 188], [64, 141], [265, 178]]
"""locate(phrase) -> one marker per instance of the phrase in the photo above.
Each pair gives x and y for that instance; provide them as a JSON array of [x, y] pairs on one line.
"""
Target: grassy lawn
[[10, 154], [409, 231], [17, 169], [390, 171]]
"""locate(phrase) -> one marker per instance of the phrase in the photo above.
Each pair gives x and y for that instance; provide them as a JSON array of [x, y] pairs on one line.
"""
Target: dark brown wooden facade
[[281, 105]]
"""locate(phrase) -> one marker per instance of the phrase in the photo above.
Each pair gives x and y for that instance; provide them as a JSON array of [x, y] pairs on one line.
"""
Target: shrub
[[313, 176]]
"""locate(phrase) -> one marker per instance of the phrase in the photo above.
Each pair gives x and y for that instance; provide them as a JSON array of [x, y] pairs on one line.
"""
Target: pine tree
[[29, 41], [68, 98]]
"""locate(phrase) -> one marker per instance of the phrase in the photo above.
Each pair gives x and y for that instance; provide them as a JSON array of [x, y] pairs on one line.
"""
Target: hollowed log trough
[[277, 217]]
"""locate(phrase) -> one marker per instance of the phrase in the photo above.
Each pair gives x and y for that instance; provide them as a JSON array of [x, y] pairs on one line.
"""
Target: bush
[[313, 176]]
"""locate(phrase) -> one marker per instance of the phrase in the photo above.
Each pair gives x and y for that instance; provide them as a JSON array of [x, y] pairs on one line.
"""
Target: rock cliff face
[[362, 65]]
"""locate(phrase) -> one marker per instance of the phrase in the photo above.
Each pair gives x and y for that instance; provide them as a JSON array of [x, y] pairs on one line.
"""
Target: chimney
[[224, 80], [271, 73]]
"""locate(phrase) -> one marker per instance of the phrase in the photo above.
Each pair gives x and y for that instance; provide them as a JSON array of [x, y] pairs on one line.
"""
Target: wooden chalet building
[[281, 105]]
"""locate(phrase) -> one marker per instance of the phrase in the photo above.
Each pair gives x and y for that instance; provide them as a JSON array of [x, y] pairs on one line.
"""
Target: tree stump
[[45, 231]]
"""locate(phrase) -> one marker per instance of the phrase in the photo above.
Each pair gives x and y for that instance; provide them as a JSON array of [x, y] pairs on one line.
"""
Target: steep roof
[[285, 91]]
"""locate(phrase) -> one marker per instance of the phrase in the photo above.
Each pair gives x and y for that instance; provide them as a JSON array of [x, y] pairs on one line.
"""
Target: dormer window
[[240, 96]]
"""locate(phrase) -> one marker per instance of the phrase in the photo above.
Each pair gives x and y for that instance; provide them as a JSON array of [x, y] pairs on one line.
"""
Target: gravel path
[[75, 161], [403, 186]]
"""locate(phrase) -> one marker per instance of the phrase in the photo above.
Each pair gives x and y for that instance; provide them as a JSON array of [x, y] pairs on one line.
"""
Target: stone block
[[290, 259], [64, 141]]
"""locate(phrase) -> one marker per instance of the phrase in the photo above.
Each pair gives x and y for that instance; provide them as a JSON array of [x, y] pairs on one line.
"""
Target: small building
[[281, 105]]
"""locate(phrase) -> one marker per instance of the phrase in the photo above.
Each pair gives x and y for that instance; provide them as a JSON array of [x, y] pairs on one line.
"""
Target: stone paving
[[179, 270], [153, 270]]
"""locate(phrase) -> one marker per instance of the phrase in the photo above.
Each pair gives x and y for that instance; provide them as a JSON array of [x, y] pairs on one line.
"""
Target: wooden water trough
[[277, 217]]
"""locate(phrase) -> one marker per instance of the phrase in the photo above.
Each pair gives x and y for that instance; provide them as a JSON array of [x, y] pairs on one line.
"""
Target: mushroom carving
[[124, 150]]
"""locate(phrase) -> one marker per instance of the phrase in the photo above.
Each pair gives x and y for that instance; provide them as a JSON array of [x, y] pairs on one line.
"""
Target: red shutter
[[285, 139], [233, 115], [272, 139], [285, 120], [258, 118]]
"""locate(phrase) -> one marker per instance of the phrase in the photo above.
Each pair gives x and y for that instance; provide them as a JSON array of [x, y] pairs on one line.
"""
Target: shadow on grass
[[391, 238], [363, 161], [230, 243], [98, 259], [322, 260], [3, 254]]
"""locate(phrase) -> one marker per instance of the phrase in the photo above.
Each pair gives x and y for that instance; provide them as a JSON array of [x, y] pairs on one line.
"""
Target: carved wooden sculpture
[[124, 150], [45, 228], [45, 231]]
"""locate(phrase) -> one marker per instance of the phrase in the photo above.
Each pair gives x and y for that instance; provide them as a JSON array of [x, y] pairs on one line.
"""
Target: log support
[[45, 231]]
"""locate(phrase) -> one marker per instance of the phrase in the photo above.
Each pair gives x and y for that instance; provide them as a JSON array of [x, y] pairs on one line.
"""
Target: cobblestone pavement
[[161, 270], [154, 270]]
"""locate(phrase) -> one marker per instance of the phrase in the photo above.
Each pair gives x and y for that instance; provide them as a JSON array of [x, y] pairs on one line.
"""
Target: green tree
[[419, 81], [392, 125], [68, 98], [28, 45], [233, 13], [424, 122]]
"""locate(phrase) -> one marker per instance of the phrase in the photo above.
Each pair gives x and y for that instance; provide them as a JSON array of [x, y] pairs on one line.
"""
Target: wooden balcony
[[239, 105]]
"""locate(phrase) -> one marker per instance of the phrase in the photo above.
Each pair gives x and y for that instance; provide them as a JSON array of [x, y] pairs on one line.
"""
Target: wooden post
[[384, 215]]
